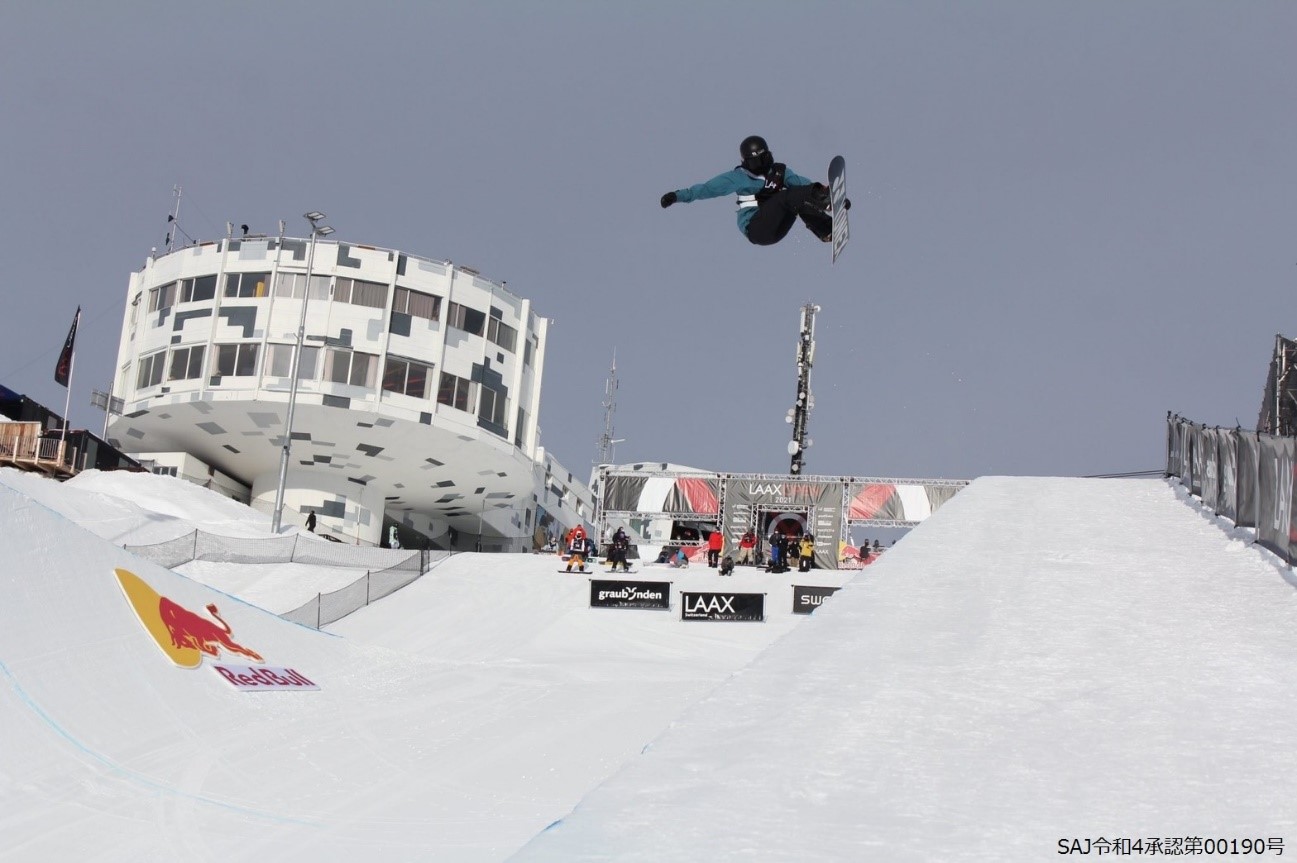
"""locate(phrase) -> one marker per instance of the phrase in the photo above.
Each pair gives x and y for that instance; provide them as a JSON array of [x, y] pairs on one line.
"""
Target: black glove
[[668, 199], [846, 205]]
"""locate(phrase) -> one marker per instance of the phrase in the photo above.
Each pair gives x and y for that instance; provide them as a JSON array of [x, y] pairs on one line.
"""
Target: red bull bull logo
[[189, 631], [183, 635]]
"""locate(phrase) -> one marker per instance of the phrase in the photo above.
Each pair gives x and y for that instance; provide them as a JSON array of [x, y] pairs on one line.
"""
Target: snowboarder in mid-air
[[771, 196]]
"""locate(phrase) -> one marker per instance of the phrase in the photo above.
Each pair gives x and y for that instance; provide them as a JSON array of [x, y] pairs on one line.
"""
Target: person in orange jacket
[[576, 548]]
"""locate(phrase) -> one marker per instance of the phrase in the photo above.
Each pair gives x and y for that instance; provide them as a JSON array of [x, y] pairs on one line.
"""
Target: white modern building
[[418, 396]]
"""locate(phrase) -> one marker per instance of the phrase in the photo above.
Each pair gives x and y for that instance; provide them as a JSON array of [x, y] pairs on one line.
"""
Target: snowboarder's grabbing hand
[[770, 196]]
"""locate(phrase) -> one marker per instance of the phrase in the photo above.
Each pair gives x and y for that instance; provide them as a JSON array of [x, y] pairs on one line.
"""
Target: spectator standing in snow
[[807, 556], [715, 542], [776, 552], [618, 549], [747, 544]]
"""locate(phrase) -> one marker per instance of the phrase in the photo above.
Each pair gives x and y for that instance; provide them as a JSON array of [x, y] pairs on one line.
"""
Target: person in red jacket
[[715, 542], [747, 546]]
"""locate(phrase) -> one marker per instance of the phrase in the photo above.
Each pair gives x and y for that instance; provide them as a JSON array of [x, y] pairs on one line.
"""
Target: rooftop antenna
[[800, 414], [607, 443], [171, 220], [173, 225]]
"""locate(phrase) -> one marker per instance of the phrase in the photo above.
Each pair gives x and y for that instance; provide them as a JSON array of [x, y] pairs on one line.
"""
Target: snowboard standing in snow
[[839, 204], [771, 196]]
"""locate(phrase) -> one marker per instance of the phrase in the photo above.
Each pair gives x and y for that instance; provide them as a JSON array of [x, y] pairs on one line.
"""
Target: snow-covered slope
[[1043, 659]]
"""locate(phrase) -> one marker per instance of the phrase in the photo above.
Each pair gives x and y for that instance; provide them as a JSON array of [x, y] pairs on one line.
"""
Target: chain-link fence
[[200, 545], [326, 608], [391, 569]]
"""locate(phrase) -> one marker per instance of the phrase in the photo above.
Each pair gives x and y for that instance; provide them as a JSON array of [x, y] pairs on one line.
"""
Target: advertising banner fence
[[1249, 449], [1244, 476], [629, 594], [807, 598], [1274, 493], [1227, 497], [722, 606]]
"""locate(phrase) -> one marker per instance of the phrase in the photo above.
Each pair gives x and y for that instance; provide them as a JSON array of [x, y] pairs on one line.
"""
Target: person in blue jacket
[[771, 196]]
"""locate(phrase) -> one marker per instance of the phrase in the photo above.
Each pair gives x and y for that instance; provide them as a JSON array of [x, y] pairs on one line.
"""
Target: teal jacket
[[737, 182]]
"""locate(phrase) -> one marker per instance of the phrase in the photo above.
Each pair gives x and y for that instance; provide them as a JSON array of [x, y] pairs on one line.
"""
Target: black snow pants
[[775, 216]]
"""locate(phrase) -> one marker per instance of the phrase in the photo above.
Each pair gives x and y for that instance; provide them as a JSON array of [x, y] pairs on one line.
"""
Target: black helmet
[[755, 154]]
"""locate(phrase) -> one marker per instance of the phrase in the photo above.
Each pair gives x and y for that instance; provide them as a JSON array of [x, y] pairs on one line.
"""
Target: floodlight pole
[[314, 217]]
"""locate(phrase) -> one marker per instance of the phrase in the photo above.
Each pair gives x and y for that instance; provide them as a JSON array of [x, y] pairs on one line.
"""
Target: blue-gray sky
[[1069, 217]]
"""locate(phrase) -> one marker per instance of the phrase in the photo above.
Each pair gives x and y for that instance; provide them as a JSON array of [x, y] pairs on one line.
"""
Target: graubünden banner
[[629, 594]]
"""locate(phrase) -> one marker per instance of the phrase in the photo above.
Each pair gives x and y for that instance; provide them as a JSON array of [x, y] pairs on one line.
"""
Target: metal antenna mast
[[800, 414], [172, 224], [607, 443]]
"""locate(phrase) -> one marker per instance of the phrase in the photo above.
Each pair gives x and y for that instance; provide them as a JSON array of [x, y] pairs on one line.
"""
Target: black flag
[[63, 370]]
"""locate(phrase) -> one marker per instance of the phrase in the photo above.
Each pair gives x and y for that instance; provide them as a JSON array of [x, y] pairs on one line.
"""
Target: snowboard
[[837, 202]]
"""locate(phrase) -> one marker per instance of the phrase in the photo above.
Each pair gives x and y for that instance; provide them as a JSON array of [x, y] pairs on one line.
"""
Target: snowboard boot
[[819, 224], [819, 197]]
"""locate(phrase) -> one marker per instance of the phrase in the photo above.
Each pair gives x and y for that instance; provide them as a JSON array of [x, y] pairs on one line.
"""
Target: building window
[[198, 289], [162, 297], [294, 285], [186, 363], [491, 406], [528, 348], [501, 333], [455, 391], [150, 371], [520, 428], [466, 319], [247, 284], [236, 360], [416, 304], [350, 367], [408, 377], [358, 293], [164, 471], [281, 362]]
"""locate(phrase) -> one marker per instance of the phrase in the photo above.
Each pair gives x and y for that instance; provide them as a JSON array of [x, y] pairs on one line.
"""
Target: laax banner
[[185, 637], [807, 598], [821, 501], [630, 594], [722, 606]]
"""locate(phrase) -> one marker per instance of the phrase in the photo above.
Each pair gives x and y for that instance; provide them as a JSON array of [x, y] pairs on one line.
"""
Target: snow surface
[[1042, 659]]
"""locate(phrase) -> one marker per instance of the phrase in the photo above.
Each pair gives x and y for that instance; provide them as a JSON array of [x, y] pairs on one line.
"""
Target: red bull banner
[[186, 637], [252, 679]]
